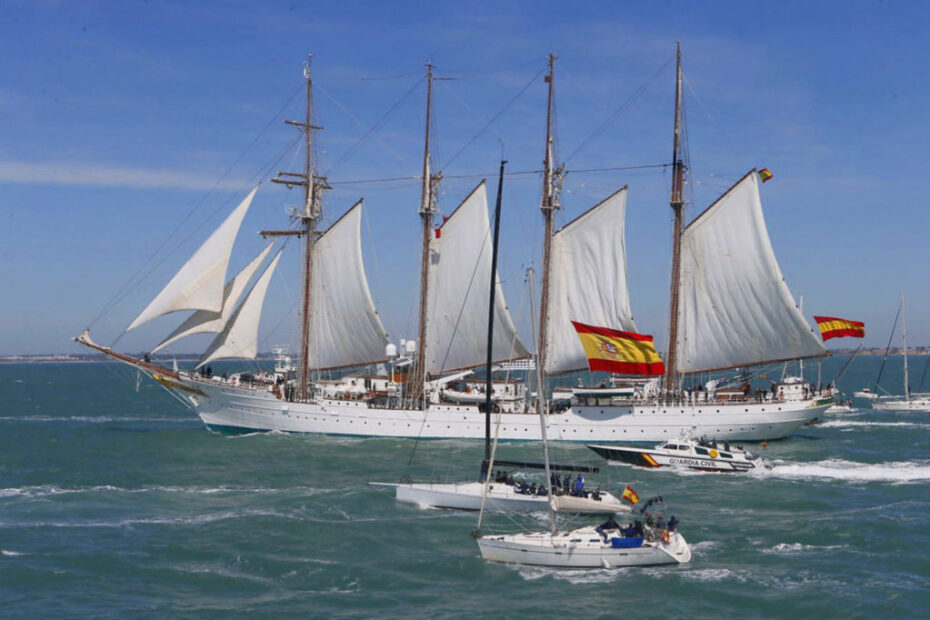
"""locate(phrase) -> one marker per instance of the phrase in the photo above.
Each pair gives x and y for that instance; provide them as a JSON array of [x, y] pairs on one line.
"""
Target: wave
[[42, 419], [131, 522], [8, 553], [579, 576], [44, 491], [898, 472], [792, 548], [855, 423]]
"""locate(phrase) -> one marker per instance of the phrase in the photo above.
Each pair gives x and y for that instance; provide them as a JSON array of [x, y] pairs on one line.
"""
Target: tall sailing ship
[[730, 308]]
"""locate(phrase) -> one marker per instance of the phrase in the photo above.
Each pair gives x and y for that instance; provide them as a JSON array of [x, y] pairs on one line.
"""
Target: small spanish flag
[[765, 174], [626, 353], [832, 327], [630, 495]]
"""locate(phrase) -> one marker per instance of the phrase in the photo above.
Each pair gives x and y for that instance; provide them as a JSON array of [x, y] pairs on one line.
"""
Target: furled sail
[[587, 281], [735, 308], [240, 336], [345, 329], [199, 284], [204, 321], [459, 283]]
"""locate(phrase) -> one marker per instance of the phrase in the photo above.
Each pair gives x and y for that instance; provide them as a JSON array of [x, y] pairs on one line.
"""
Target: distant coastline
[[62, 358]]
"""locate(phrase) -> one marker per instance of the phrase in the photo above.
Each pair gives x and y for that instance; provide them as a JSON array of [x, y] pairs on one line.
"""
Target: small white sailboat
[[911, 401]]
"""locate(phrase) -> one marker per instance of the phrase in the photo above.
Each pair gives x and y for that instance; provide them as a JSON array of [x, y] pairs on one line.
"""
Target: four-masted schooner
[[730, 308]]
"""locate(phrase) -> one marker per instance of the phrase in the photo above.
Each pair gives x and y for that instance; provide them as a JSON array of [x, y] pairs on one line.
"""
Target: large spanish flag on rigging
[[626, 353], [832, 327]]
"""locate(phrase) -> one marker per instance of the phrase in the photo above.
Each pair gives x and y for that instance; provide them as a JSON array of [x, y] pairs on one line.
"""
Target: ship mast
[[427, 209], [550, 202], [676, 201], [312, 210]]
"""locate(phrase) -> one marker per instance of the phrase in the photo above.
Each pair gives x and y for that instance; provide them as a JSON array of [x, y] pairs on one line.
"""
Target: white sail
[[459, 282], [240, 336], [587, 282], [199, 283], [204, 321], [345, 328], [735, 308]]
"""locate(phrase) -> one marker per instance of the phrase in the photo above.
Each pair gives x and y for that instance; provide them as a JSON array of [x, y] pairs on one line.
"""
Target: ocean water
[[115, 502]]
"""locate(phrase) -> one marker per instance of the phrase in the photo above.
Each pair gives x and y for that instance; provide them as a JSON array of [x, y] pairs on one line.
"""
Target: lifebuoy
[[714, 454], [665, 537]]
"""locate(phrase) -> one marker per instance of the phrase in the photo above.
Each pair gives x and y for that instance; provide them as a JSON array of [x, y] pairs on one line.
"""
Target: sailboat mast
[[676, 201], [907, 388], [309, 216], [427, 209], [550, 202], [488, 382]]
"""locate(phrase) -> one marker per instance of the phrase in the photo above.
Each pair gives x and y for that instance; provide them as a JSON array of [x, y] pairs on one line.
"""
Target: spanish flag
[[630, 495], [831, 327], [765, 174], [625, 353]]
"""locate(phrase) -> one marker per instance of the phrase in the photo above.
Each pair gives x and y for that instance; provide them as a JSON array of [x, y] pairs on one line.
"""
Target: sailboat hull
[[582, 548], [230, 408]]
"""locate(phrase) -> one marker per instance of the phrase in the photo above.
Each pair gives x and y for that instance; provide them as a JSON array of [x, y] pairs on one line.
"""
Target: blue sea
[[117, 502]]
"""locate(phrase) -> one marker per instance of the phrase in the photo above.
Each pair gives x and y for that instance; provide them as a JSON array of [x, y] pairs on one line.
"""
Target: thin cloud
[[105, 175]]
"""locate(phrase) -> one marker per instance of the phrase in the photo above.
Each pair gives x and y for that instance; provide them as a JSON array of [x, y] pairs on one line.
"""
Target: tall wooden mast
[[676, 201], [427, 208], [550, 202], [309, 216]]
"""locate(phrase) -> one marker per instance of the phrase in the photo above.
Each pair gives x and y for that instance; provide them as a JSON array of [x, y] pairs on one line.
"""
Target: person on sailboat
[[579, 486]]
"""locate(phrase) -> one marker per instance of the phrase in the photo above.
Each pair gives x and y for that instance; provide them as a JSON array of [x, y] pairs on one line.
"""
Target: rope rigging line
[[387, 115], [493, 119], [617, 112]]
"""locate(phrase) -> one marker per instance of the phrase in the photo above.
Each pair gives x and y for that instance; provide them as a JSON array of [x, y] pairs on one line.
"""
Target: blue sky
[[123, 122]]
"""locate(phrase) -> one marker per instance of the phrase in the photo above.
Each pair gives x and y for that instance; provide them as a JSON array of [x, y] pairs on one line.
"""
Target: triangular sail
[[587, 282], [240, 336], [736, 309], [459, 285], [199, 283], [345, 328], [204, 321]]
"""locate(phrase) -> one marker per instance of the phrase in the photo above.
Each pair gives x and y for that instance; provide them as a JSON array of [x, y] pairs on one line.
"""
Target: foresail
[[736, 309], [459, 285], [240, 336], [587, 282], [345, 328], [204, 321], [199, 283]]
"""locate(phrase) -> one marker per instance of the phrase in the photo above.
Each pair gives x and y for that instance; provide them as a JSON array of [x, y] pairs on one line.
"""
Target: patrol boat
[[698, 455]]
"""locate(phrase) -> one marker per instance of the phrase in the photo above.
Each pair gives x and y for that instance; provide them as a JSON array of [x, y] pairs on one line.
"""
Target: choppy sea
[[117, 502]]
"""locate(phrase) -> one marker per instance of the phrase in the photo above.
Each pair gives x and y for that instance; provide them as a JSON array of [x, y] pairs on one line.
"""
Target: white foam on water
[[795, 548], [44, 491], [130, 522], [712, 575], [8, 553], [581, 576], [896, 472], [857, 423], [99, 419], [705, 545]]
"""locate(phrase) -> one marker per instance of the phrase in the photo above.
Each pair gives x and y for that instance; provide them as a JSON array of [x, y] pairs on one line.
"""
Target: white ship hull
[[467, 496], [582, 548], [226, 408]]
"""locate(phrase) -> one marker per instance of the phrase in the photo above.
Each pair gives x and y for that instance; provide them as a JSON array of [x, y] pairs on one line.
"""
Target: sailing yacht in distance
[[725, 249], [911, 401]]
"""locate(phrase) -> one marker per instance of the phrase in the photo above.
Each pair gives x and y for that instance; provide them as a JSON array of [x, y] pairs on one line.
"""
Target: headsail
[[736, 309], [204, 321], [459, 285], [587, 281], [345, 328], [199, 284], [240, 336]]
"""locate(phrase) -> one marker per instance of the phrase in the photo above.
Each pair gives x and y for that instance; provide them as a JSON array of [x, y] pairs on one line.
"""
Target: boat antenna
[[309, 216], [427, 209], [676, 201], [488, 382], [552, 184]]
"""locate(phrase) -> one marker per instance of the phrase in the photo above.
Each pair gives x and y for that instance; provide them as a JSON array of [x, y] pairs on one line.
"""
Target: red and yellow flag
[[630, 495], [832, 327], [626, 353], [765, 174]]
